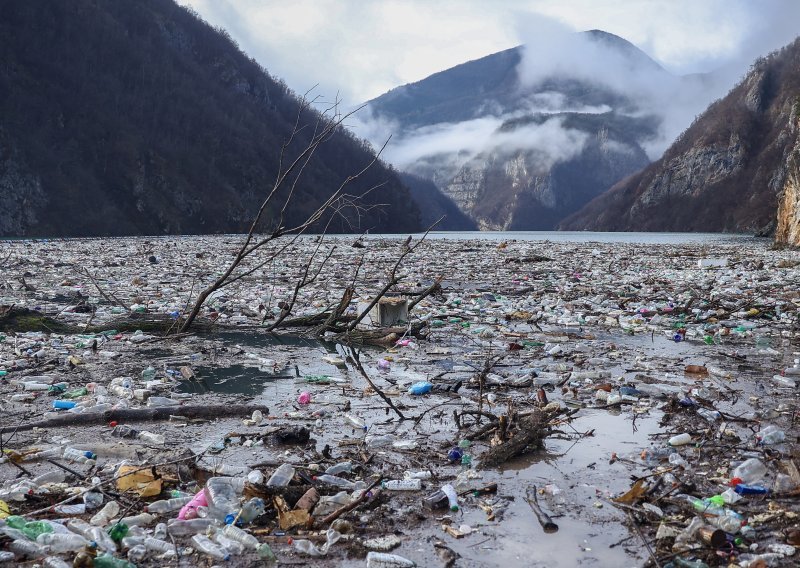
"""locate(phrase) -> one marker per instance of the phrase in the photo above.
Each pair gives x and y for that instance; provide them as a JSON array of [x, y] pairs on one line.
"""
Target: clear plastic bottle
[[771, 435], [80, 456], [207, 546], [750, 470], [236, 534], [379, 441], [60, 542], [54, 562], [282, 476], [54, 476], [151, 438], [167, 505], [231, 546], [190, 526], [159, 546], [160, 532], [255, 507], [105, 514], [137, 553], [141, 519], [355, 422], [335, 481], [341, 467], [223, 492], [27, 549]]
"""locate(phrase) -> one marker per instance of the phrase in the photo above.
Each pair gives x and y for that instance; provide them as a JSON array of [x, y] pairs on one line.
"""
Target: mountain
[[522, 138], [137, 117], [726, 172]]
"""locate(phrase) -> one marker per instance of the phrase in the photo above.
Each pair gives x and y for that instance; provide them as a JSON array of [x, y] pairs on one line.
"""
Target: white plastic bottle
[[402, 485], [60, 542]]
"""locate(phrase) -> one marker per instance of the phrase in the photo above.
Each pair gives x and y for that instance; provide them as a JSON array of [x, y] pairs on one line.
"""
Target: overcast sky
[[363, 48]]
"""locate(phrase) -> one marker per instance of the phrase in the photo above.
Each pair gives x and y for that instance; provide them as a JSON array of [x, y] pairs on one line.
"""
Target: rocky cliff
[[138, 117], [788, 222], [725, 172]]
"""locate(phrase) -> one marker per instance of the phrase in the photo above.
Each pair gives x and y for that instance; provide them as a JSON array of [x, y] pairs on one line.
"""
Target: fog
[[553, 50]]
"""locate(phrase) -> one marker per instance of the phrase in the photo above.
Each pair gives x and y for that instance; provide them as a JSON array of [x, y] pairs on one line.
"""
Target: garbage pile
[[556, 387]]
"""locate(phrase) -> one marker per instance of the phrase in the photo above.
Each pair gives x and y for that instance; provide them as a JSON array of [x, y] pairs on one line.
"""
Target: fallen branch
[[123, 415], [530, 433], [544, 519]]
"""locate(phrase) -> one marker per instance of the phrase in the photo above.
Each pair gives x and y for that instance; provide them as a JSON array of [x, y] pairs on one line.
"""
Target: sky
[[359, 49]]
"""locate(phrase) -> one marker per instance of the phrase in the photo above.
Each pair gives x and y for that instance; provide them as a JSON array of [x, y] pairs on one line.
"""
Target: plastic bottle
[[384, 560], [744, 489], [771, 435], [6, 556], [420, 388], [138, 520], [223, 492], [452, 497], [105, 514], [436, 500], [151, 438], [27, 549], [167, 505], [63, 404], [355, 422], [282, 476], [238, 535], [118, 531], [378, 441], [54, 476], [710, 415], [402, 485], [205, 545], [335, 481], [32, 529], [92, 499], [107, 561], [750, 470], [54, 562], [59, 542], [253, 508], [680, 439], [137, 553], [160, 546], [341, 467], [80, 456], [190, 526]]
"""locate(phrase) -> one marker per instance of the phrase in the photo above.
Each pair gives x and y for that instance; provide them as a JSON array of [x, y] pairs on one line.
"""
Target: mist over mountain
[[122, 118], [522, 138], [729, 171]]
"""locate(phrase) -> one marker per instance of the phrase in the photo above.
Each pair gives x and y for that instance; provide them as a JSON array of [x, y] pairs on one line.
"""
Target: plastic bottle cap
[[736, 481], [113, 423]]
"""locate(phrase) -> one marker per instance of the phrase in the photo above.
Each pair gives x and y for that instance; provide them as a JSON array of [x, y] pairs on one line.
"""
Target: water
[[588, 237]]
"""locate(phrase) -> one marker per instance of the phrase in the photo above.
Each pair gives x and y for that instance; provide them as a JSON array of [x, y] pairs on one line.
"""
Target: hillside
[[520, 139], [726, 172], [128, 118]]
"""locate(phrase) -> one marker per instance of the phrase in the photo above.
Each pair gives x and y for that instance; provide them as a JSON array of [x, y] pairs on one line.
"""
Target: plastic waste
[[420, 388], [167, 505], [282, 476], [750, 470], [385, 560], [207, 546], [452, 497], [402, 485], [104, 515], [307, 547]]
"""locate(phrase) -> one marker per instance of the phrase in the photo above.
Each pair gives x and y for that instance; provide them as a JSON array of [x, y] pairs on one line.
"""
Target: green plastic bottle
[[118, 531], [76, 393], [31, 529], [108, 561]]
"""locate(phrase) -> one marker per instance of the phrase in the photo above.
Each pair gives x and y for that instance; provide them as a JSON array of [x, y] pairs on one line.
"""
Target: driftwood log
[[531, 430], [124, 415]]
